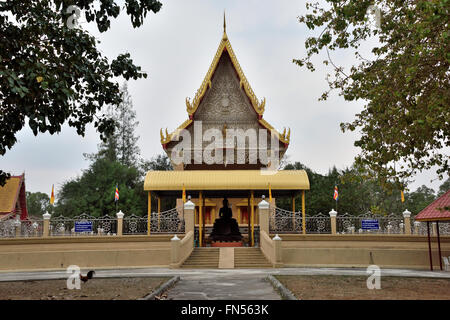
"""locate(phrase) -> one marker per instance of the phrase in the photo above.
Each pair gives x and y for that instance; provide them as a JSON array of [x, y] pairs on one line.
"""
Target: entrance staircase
[[202, 258], [205, 258], [250, 258]]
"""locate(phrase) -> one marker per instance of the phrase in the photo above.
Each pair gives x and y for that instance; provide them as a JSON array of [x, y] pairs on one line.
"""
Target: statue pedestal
[[226, 244]]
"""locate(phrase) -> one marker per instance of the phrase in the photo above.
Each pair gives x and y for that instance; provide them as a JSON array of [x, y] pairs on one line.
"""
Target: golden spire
[[224, 26]]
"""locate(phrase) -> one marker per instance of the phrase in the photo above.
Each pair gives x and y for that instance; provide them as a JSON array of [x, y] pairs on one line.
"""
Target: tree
[[127, 149], [161, 162], [38, 203], [51, 73], [121, 145], [417, 201], [357, 194], [93, 191], [443, 188], [404, 124]]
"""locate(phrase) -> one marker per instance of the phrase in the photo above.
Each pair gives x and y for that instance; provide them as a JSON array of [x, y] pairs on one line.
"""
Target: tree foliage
[[51, 74], [93, 191], [38, 203], [357, 194], [117, 162], [404, 124]]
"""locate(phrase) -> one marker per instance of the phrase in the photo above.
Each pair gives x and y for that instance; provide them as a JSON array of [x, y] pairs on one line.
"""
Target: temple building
[[225, 148], [13, 201]]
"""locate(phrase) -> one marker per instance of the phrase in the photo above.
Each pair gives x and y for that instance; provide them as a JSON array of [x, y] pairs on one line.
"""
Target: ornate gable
[[225, 100]]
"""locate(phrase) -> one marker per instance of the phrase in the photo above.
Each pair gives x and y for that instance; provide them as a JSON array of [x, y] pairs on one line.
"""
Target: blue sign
[[83, 226], [370, 224]]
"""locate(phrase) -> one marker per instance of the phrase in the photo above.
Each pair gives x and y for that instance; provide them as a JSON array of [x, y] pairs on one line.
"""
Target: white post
[[263, 210], [120, 215], [416, 227], [17, 225], [277, 249], [175, 244], [46, 231], [407, 221], [389, 228], [189, 218], [333, 215], [401, 227], [434, 228]]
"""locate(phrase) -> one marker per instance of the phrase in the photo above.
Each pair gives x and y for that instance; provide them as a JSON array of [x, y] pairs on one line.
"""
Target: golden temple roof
[[9, 194], [258, 105]]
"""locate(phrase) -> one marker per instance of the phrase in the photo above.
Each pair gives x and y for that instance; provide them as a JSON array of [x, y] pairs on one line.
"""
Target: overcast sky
[[176, 47]]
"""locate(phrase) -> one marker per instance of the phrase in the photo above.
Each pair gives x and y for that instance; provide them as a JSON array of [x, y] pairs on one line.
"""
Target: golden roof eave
[[284, 137], [169, 137], [225, 180]]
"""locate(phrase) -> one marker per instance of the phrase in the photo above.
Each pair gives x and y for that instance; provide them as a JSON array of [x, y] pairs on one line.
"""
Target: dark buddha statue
[[225, 227]]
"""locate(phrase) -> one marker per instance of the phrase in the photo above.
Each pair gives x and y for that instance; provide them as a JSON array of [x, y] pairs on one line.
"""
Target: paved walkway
[[217, 284], [147, 272], [223, 287]]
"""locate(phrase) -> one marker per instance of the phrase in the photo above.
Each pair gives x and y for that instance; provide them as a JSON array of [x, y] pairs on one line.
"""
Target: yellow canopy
[[226, 180]]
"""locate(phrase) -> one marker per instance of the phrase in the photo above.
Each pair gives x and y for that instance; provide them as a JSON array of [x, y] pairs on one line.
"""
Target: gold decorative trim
[[169, 137], [283, 137], [259, 106]]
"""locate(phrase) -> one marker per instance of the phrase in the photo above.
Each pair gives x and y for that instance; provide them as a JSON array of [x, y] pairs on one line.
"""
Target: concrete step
[[202, 258], [250, 258]]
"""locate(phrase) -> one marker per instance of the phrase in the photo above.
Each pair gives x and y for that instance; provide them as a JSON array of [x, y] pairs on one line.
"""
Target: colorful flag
[[116, 196], [403, 196], [52, 197], [336, 194]]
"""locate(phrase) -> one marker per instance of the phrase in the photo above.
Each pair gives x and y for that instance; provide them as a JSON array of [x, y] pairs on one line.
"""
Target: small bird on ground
[[89, 275]]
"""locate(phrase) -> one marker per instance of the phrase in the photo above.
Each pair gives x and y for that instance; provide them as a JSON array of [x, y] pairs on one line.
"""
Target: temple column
[[200, 219], [252, 196], [293, 211], [239, 215], [149, 212], [159, 212], [303, 212]]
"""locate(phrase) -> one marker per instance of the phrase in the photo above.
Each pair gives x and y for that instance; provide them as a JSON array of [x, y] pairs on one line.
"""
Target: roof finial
[[225, 37], [224, 23]]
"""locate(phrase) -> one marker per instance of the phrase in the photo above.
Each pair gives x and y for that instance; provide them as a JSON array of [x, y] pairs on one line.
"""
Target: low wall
[[267, 247], [388, 251], [99, 252]]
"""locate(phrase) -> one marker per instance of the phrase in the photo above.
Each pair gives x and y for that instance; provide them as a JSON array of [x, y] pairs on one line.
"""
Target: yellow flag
[[403, 196], [184, 194], [270, 194], [52, 197]]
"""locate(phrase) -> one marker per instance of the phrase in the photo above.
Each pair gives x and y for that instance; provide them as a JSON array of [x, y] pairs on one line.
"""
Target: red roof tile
[[439, 209]]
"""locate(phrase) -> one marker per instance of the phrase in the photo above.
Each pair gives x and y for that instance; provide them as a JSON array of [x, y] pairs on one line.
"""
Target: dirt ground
[[355, 288], [94, 289]]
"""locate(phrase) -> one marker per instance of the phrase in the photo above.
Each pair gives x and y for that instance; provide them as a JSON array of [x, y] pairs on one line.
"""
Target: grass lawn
[[355, 288], [94, 289]]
